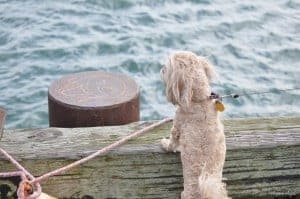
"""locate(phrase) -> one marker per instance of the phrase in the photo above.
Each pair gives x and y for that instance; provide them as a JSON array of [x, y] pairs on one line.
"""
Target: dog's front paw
[[165, 144]]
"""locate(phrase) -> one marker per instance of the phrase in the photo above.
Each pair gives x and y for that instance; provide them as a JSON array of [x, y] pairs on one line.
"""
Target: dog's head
[[187, 78]]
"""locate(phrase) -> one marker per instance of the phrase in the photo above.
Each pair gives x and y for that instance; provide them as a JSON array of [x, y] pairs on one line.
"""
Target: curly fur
[[197, 131]]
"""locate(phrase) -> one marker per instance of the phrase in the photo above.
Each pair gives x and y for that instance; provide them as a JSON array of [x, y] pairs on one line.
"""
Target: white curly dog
[[197, 131]]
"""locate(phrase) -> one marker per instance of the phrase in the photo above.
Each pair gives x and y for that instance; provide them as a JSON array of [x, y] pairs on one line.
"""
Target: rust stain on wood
[[2, 121]]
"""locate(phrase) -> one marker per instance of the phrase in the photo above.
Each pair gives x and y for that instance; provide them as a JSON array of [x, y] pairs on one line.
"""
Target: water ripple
[[255, 45]]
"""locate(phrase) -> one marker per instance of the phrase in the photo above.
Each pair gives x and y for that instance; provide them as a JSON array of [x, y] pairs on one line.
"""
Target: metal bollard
[[93, 99]]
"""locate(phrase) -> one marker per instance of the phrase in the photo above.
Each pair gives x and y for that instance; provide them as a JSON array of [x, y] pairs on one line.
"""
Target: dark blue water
[[254, 45]]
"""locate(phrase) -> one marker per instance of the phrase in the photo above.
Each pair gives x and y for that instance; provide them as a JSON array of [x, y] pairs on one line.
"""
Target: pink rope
[[17, 164], [101, 151], [13, 174], [22, 190], [24, 174]]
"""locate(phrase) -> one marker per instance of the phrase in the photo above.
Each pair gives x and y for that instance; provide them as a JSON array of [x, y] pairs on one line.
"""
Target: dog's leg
[[182, 195], [172, 144]]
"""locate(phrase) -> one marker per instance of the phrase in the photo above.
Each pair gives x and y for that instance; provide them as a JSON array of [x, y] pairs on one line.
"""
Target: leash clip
[[215, 96]]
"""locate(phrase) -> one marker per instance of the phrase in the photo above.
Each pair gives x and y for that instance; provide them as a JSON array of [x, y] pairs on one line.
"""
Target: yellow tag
[[220, 106]]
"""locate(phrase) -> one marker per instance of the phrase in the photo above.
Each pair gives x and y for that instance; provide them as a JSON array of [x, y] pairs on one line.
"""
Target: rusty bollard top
[[2, 121], [93, 99]]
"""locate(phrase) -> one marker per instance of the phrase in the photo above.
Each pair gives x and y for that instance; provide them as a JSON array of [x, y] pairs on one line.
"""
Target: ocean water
[[254, 45]]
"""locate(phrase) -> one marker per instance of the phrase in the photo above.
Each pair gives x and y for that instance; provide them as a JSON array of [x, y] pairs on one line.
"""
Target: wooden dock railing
[[262, 161]]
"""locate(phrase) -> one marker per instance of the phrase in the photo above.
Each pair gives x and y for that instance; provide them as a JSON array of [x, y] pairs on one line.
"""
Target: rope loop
[[28, 190]]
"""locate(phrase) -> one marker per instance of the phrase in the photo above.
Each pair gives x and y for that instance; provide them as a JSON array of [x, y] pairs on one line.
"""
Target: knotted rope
[[27, 189]]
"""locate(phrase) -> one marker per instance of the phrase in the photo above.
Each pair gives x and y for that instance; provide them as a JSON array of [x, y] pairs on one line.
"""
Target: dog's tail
[[212, 187]]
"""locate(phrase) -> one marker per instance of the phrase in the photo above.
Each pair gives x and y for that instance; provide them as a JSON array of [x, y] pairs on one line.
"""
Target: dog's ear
[[209, 70], [179, 86], [186, 92]]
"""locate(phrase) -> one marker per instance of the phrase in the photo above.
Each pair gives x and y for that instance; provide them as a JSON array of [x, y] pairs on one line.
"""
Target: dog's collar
[[217, 100], [212, 96], [215, 96]]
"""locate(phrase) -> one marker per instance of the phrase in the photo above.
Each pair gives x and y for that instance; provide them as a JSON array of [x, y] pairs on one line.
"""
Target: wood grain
[[263, 160]]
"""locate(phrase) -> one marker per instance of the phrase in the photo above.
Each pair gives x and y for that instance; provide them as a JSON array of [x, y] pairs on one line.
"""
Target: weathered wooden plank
[[263, 160]]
